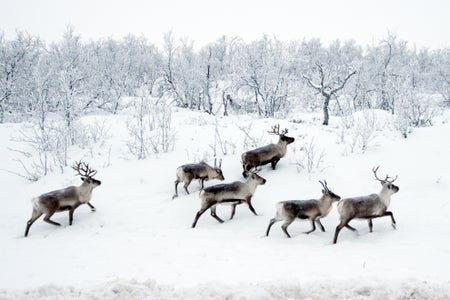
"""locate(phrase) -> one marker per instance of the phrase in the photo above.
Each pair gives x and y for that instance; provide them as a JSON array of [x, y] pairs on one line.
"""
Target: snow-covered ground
[[140, 244]]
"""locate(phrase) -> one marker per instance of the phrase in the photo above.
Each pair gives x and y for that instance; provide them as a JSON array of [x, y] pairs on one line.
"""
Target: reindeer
[[67, 199], [232, 194], [271, 153], [313, 210], [367, 207], [201, 171]]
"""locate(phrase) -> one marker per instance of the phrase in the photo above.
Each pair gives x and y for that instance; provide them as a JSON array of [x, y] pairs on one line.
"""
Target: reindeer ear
[[83, 179], [323, 191]]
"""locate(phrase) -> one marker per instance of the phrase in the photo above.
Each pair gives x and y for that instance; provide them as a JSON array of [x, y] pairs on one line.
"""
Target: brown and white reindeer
[[313, 210], [234, 193], [67, 199], [367, 207], [271, 153], [203, 171]]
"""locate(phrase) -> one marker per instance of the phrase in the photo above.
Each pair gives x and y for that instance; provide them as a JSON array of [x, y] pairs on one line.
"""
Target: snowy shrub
[[198, 156], [346, 124], [150, 127], [311, 157], [139, 129], [163, 137], [48, 149], [219, 143], [251, 141], [363, 131], [403, 125], [414, 111], [98, 132]]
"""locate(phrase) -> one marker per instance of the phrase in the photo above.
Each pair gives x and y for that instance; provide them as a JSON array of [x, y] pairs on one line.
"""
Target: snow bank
[[132, 289]]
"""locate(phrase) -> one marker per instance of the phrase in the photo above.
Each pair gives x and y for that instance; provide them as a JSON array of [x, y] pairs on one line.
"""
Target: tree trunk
[[225, 103], [2, 113], [326, 115]]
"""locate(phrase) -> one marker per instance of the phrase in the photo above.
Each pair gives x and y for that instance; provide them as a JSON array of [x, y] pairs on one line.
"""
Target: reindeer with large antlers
[[313, 210], [67, 199], [271, 153], [367, 207]]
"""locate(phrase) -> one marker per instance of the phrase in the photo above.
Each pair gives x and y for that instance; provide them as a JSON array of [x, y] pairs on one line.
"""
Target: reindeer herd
[[363, 207]]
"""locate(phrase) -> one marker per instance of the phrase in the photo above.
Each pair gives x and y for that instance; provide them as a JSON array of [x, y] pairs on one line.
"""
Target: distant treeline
[[268, 77]]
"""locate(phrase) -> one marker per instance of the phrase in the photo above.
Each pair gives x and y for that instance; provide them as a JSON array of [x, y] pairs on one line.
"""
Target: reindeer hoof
[[93, 209], [394, 226]]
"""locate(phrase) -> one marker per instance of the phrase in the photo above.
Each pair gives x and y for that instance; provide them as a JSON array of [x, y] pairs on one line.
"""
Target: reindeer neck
[[327, 201], [385, 196], [85, 190], [282, 145], [252, 184]]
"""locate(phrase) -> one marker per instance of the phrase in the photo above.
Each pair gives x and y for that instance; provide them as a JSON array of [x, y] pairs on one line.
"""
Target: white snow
[[140, 244]]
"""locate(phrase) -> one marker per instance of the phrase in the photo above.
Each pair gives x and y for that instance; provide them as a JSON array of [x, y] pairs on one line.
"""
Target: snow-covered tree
[[267, 74], [329, 76], [17, 57]]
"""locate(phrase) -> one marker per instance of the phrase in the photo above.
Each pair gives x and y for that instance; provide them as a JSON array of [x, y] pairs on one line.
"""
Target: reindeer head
[[253, 175], [86, 173], [387, 182], [282, 135], [218, 169], [328, 193]]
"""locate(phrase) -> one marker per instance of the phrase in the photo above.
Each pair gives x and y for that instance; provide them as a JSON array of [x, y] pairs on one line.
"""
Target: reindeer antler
[[215, 163], [374, 170], [276, 130], [324, 185], [391, 181], [83, 167]]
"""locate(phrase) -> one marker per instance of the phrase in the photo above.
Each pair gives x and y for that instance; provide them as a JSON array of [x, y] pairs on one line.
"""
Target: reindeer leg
[[214, 215], [34, 216], [272, 221], [91, 206], [71, 211], [370, 225], [186, 184], [274, 163], [202, 182], [249, 202], [320, 224], [176, 189], [71, 216], [200, 212], [389, 213], [350, 227], [285, 226], [339, 227], [47, 219], [313, 227], [233, 210]]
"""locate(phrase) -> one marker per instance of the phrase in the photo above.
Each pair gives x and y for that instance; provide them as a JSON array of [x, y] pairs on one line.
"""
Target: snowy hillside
[[140, 244]]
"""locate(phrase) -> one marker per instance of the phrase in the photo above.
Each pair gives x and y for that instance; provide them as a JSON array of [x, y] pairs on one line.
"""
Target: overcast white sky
[[422, 23]]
